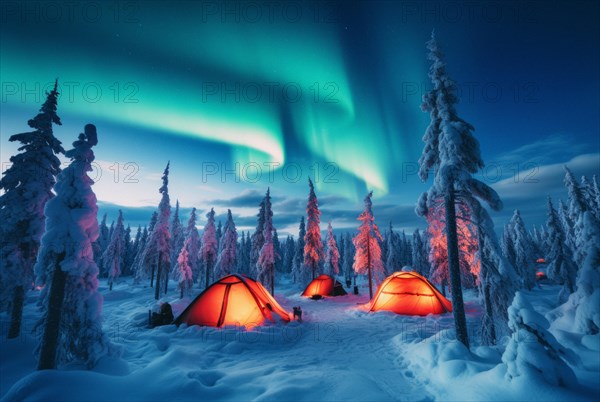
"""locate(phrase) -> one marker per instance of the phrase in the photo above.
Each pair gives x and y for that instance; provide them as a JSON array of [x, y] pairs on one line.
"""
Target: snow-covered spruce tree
[[313, 246], [367, 259], [290, 249], [393, 258], [419, 254], [348, 258], [568, 226], [561, 267], [587, 192], [257, 240], [137, 266], [186, 270], [453, 152], [507, 243], [299, 272], [146, 265], [70, 302], [497, 279], [595, 191], [219, 234], [209, 250], [26, 188], [127, 251], [266, 259], [406, 250], [158, 249], [227, 259], [524, 256], [341, 247], [134, 245], [241, 260], [532, 350], [332, 255], [585, 302], [278, 252], [183, 273], [177, 237], [192, 245], [577, 206], [114, 253], [102, 242]]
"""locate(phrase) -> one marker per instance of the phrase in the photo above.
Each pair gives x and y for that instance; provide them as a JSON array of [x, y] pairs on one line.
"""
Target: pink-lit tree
[[367, 259], [313, 246]]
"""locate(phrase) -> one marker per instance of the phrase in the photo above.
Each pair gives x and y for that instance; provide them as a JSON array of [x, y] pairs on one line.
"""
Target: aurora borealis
[[330, 88]]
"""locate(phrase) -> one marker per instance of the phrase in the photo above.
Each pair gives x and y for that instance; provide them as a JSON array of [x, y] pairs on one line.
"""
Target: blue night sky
[[309, 88]]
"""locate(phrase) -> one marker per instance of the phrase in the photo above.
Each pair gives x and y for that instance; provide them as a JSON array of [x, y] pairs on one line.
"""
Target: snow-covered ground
[[339, 352]]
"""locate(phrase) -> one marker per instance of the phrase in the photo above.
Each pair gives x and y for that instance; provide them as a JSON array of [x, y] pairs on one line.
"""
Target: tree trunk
[[181, 294], [152, 275], [158, 274], [313, 269], [17, 312], [49, 346], [444, 287], [110, 286], [458, 308]]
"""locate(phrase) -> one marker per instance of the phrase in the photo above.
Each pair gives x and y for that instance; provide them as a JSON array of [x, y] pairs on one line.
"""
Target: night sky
[[310, 88]]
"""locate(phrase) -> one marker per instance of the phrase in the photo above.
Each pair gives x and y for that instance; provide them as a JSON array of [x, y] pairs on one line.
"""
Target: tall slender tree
[[348, 258], [332, 255], [367, 259], [577, 207], [393, 262], [70, 302], [227, 259], [266, 260], [209, 250], [524, 256], [561, 267], [26, 188], [158, 249], [299, 274], [419, 254], [453, 152], [257, 240], [313, 246], [187, 260], [114, 254], [177, 236], [584, 303]]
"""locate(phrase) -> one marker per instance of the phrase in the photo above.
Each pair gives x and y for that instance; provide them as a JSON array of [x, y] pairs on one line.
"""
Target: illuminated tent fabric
[[233, 300], [324, 285], [408, 293]]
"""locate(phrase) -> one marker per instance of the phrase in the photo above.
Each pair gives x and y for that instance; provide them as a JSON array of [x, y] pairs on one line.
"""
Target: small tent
[[324, 285], [233, 300], [408, 293]]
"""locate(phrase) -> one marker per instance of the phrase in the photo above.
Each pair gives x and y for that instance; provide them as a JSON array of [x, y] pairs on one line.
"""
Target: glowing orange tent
[[324, 285], [233, 300], [408, 293]]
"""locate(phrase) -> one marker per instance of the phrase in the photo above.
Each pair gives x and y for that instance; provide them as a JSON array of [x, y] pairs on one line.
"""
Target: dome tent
[[408, 293], [233, 300], [324, 285]]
